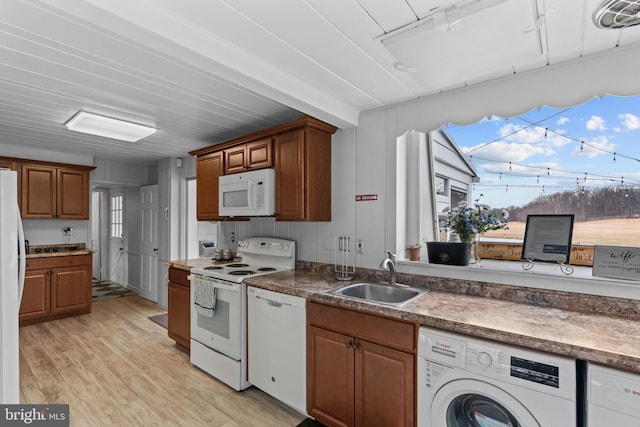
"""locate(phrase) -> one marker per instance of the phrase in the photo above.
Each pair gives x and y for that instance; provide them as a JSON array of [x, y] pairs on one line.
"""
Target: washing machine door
[[473, 403]]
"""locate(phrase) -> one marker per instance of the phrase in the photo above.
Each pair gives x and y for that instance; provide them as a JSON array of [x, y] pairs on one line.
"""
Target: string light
[[557, 173], [572, 138], [519, 130]]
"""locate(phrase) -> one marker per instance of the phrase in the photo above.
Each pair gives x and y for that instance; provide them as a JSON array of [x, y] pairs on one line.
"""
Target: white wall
[[49, 231]]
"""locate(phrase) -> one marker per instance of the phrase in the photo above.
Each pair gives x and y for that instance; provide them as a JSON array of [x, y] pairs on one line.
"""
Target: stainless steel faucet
[[389, 263]]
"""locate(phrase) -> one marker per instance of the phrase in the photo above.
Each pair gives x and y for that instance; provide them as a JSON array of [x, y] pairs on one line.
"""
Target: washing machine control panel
[[483, 359], [488, 360]]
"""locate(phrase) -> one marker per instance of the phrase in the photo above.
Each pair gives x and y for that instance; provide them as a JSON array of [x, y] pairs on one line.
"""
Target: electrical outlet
[[67, 231], [359, 246]]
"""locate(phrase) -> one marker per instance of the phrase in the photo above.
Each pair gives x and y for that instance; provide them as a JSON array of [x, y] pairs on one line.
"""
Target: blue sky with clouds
[[554, 149]]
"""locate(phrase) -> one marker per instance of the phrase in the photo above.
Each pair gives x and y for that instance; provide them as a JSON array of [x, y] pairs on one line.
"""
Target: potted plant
[[467, 223], [414, 251]]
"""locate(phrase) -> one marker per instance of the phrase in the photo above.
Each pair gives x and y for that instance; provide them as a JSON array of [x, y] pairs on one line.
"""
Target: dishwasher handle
[[273, 303]]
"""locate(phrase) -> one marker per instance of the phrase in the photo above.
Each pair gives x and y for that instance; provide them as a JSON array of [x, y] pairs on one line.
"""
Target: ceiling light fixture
[[108, 127], [447, 18]]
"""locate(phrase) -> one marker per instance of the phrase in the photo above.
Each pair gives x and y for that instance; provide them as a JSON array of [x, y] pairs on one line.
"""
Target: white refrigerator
[[12, 268]]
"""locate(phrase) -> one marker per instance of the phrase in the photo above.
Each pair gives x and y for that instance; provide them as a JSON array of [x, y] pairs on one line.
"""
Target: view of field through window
[[582, 160]]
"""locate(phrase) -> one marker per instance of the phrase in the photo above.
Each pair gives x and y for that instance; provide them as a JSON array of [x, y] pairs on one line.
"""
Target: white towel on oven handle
[[204, 298]]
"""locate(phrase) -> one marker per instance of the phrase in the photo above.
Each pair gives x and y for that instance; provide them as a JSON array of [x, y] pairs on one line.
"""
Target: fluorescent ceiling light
[[446, 18], [108, 127]]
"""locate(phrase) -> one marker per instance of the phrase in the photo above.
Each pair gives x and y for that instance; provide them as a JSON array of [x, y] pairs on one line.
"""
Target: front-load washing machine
[[613, 397], [468, 382]]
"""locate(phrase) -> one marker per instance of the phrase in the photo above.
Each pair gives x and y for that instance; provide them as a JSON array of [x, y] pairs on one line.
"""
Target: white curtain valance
[[559, 86]]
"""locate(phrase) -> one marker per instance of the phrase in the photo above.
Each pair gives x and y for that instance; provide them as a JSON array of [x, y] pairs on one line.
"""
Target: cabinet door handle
[[354, 346], [349, 344]]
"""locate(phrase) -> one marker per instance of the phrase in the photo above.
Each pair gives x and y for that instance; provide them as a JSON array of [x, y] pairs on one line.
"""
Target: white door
[[149, 243], [116, 237]]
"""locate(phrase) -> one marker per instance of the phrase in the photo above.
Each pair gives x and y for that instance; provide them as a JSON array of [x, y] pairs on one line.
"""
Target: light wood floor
[[115, 367]]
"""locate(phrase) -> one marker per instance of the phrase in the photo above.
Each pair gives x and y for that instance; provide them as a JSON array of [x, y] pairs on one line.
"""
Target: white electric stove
[[257, 256], [218, 337]]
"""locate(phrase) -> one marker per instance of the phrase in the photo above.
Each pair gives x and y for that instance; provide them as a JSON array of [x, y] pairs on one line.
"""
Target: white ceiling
[[203, 71]]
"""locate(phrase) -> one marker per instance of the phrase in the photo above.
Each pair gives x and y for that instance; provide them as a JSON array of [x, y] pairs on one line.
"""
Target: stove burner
[[241, 272], [266, 269], [213, 267], [237, 265]]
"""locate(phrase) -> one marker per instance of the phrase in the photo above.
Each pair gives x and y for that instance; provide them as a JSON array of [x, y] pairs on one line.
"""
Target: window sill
[[541, 276]]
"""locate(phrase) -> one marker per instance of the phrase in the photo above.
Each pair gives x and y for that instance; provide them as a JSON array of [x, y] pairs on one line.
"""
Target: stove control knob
[[484, 359]]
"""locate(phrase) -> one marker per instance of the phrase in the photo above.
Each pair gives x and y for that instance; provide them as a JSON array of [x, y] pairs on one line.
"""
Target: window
[[457, 197], [441, 186], [580, 160], [117, 215]]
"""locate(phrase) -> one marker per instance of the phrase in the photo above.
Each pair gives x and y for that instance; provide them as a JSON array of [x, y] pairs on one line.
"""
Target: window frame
[[116, 215]]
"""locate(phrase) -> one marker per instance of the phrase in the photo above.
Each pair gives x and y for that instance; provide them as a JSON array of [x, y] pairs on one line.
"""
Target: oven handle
[[232, 287]]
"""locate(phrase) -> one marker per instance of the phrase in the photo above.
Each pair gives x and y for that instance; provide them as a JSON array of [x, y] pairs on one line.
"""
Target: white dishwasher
[[276, 355]]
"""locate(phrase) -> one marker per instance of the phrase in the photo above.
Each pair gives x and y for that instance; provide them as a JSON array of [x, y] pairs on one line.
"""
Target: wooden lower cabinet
[[179, 317], [358, 373], [36, 297], [56, 287]]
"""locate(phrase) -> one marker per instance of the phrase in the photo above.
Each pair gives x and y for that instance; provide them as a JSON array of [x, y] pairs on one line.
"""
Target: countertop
[[57, 250], [596, 337]]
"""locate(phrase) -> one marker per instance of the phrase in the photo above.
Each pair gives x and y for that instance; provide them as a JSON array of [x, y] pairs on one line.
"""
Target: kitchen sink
[[379, 292]]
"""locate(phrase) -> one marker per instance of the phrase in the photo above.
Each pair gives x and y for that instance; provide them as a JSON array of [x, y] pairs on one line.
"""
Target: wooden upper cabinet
[[53, 192], [250, 156], [290, 178], [7, 164], [303, 175], [300, 153], [72, 194], [39, 189], [209, 168]]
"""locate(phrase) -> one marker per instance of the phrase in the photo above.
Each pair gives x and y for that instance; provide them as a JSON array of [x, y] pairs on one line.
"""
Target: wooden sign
[[580, 255], [621, 262]]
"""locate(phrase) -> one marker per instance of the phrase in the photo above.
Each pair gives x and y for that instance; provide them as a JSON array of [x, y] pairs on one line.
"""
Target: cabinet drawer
[[381, 330], [58, 261], [179, 276]]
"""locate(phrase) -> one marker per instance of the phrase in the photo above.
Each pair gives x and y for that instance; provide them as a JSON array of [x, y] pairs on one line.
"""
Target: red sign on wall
[[366, 197]]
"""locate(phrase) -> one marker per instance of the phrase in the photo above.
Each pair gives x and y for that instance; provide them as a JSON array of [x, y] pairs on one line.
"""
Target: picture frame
[[620, 262], [548, 238]]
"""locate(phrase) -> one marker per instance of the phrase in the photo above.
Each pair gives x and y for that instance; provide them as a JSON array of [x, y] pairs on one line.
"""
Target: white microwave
[[248, 193]]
